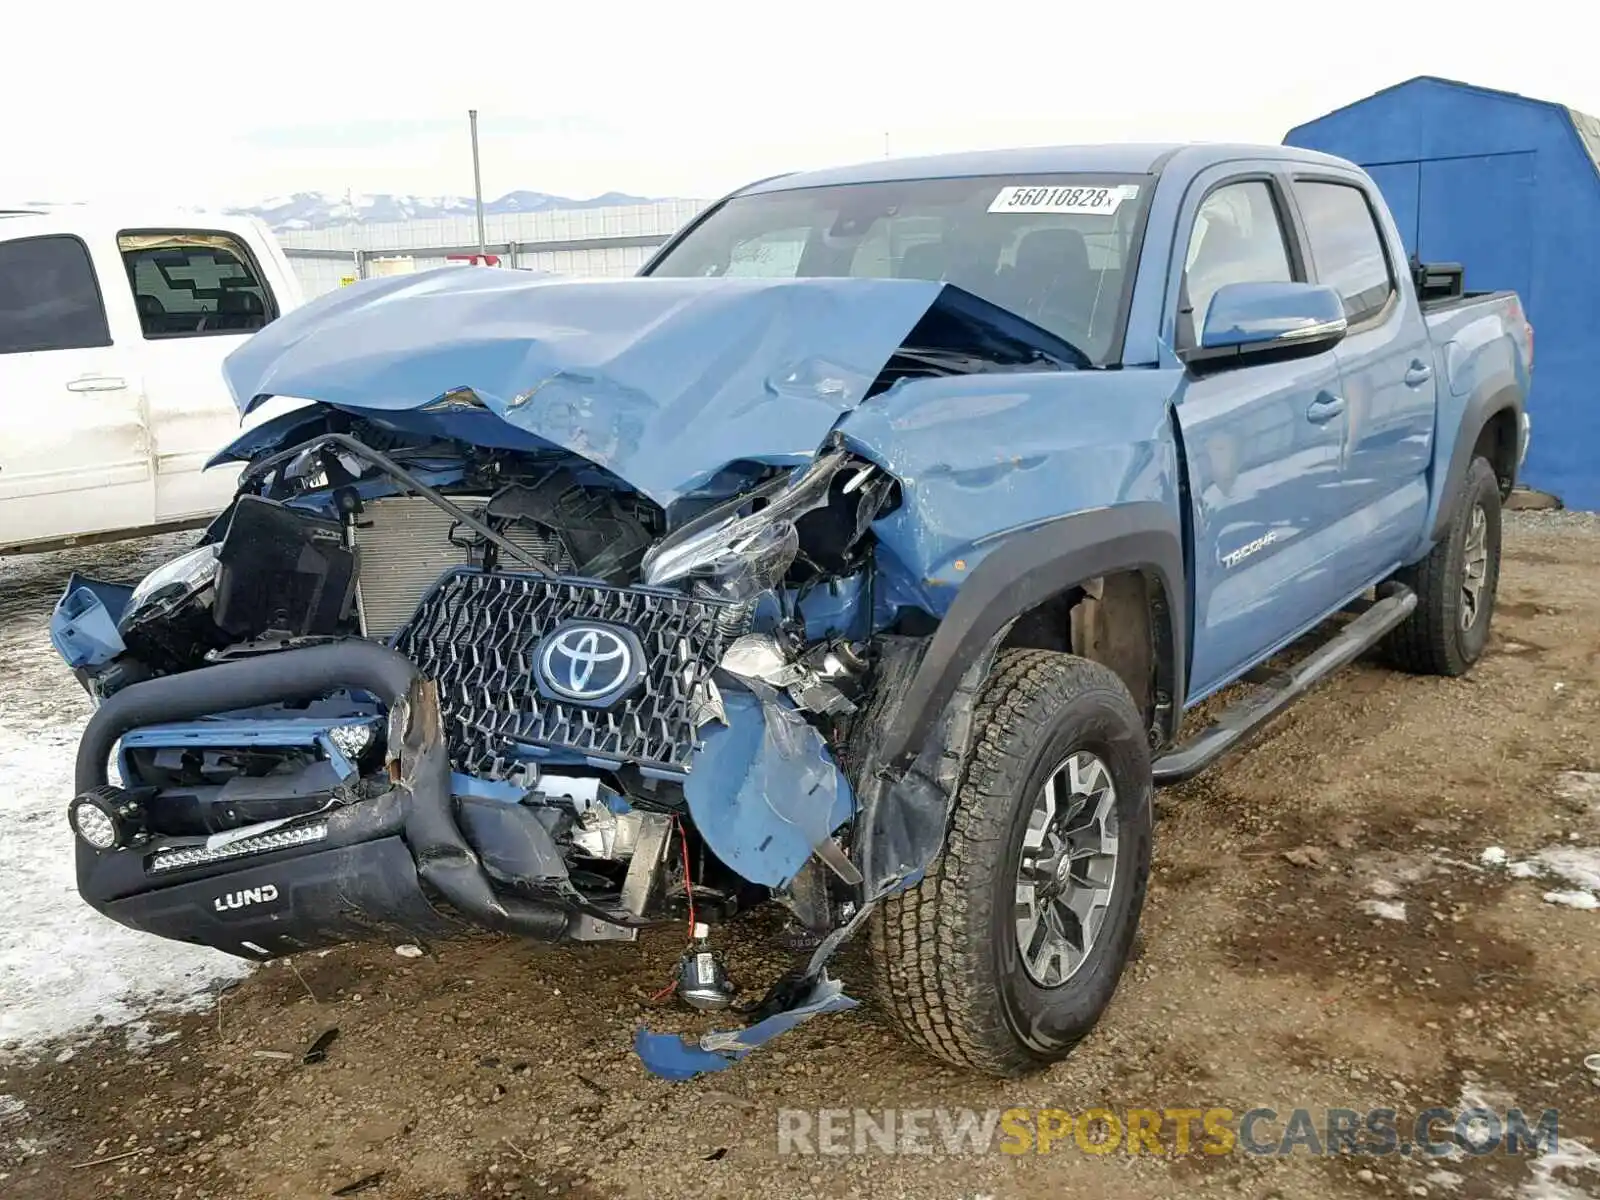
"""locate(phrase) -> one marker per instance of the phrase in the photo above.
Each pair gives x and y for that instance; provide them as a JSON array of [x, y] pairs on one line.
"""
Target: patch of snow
[[1448, 1180], [1389, 910], [1582, 787], [11, 1108], [140, 1037], [1568, 1159], [1494, 856], [1578, 865], [64, 969], [1386, 888]]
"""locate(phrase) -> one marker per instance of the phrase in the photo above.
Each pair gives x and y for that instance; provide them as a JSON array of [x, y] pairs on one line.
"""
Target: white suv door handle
[[97, 383]]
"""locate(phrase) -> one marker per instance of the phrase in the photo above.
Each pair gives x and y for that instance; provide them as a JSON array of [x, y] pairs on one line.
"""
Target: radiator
[[405, 546]]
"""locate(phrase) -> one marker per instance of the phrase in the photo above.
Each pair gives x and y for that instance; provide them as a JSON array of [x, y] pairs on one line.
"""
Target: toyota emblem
[[588, 663]]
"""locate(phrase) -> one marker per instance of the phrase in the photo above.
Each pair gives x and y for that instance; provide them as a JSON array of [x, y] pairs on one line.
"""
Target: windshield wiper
[[962, 362]]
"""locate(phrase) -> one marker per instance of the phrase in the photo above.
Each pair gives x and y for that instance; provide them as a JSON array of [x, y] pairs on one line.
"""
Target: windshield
[[1056, 249]]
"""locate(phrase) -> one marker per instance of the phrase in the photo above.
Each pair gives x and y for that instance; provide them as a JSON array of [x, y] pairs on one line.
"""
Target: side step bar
[[1281, 688]]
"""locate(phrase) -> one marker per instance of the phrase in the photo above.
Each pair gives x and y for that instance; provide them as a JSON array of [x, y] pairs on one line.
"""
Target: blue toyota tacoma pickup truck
[[862, 556]]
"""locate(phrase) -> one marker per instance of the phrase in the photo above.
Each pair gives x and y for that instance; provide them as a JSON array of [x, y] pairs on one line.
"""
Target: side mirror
[[1268, 322]]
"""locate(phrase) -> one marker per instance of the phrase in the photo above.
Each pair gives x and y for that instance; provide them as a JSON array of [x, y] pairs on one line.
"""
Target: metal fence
[[610, 241]]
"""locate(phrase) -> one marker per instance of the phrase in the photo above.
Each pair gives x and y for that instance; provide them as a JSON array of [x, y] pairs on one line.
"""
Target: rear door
[[74, 443], [1261, 454], [200, 293], [1386, 368]]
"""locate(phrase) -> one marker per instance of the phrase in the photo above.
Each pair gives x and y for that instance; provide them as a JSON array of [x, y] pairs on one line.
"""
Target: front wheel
[[1005, 955], [1455, 585]]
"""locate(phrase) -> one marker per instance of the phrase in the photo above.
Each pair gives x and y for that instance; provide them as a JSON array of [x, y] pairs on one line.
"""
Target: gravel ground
[[1323, 930]]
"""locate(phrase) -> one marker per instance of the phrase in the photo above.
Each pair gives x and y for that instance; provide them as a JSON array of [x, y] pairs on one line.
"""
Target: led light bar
[[278, 839]]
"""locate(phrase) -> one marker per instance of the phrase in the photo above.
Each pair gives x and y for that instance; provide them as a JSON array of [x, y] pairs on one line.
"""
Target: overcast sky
[[229, 103]]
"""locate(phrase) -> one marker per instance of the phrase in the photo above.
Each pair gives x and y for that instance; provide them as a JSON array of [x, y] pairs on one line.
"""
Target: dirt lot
[[1267, 976]]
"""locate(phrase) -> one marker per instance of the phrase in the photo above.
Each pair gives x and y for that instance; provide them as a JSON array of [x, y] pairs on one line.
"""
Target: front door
[[1262, 449], [74, 446]]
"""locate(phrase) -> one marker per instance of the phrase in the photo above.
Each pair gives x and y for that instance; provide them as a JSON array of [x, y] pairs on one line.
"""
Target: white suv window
[[49, 297], [192, 282]]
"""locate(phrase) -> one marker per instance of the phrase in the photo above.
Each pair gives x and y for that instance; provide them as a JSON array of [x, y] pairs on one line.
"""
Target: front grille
[[476, 634]]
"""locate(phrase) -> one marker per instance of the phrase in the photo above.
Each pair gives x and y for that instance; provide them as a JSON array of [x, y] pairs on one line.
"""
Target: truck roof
[[1123, 158], [23, 220]]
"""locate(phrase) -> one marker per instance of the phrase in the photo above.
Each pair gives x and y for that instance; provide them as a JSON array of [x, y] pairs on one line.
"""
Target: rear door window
[[49, 296], [189, 283], [1346, 247]]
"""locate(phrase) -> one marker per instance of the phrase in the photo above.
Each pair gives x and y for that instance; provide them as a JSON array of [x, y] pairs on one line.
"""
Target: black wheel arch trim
[[1480, 410], [1028, 568]]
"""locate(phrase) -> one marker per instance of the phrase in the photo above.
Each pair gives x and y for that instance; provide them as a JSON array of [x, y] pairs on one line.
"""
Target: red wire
[[688, 888]]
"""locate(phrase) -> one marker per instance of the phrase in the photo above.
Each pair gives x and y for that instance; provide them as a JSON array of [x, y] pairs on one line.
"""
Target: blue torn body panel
[[83, 627], [677, 1058], [761, 813]]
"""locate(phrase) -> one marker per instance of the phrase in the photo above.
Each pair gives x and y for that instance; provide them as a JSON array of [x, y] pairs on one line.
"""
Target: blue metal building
[[1510, 188]]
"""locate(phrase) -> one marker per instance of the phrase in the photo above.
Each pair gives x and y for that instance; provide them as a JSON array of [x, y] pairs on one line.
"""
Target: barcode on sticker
[[1028, 198]]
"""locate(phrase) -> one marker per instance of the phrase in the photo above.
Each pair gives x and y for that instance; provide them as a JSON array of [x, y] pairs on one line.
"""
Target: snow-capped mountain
[[322, 210]]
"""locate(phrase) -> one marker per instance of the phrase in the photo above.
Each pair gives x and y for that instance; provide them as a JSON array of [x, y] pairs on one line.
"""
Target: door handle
[[1418, 374], [97, 383], [1324, 408]]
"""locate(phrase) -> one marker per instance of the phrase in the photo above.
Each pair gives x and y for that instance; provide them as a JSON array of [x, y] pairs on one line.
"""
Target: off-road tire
[[1432, 641], [946, 964]]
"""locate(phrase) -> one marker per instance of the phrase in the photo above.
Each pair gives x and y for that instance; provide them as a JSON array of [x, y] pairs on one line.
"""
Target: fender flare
[[1480, 410], [1028, 568]]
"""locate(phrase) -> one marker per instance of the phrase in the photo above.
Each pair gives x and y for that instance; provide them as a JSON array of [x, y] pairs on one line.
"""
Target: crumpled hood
[[661, 381]]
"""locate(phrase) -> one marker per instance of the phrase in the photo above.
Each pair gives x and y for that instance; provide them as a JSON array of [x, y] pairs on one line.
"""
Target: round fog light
[[352, 741], [106, 818]]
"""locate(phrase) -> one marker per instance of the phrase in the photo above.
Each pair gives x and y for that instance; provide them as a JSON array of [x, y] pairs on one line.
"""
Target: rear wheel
[[1455, 585], [1007, 952]]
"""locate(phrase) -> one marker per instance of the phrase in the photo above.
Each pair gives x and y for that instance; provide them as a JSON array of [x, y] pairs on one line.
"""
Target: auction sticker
[[1093, 201]]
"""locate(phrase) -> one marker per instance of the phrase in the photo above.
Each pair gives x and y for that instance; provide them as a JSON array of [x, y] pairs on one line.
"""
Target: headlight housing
[[174, 580], [737, 557]]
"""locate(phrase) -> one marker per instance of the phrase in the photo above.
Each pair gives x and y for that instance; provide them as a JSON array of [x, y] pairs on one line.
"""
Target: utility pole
[[477, 183]]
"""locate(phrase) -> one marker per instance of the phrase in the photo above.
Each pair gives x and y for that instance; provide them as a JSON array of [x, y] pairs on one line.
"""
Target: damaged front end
[[555, 654]]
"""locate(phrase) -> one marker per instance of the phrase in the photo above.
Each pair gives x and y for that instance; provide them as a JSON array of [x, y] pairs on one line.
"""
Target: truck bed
[[1445, 304], [1471, 319]]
